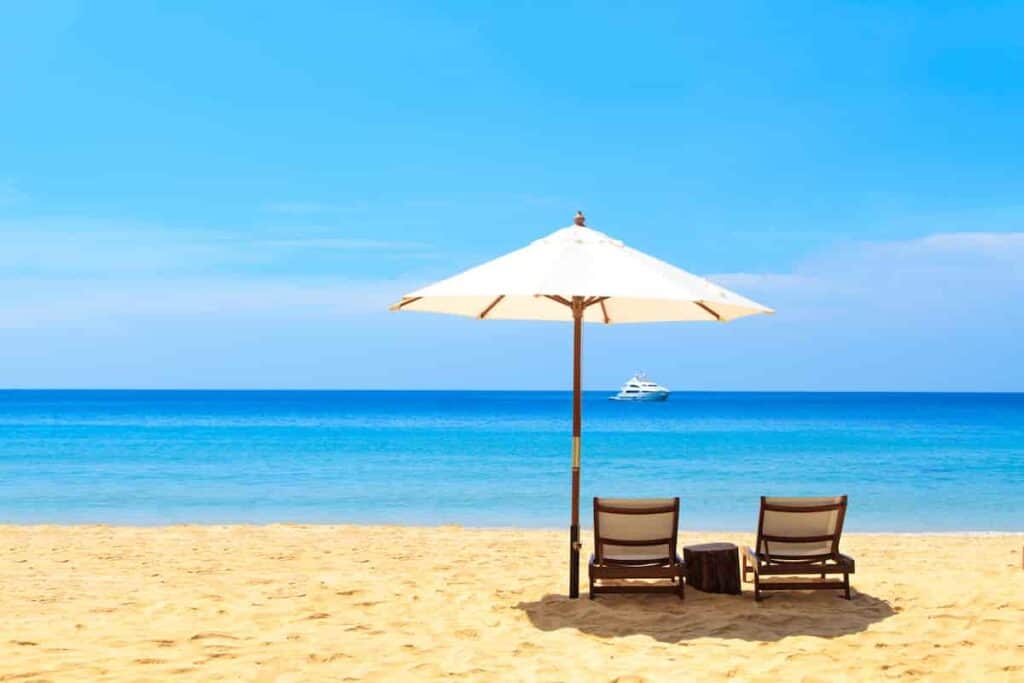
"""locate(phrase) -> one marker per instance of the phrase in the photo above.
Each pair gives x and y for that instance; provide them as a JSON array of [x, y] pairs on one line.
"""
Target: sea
[[909, 462]]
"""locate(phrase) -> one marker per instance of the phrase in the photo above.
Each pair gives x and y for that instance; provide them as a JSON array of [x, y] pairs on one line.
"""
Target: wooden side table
[[713, 567]]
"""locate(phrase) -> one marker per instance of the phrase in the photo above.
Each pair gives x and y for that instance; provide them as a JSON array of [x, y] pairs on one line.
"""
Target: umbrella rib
[[560, 299], [604, 312], [406, 302], [494, 303], [709, 310]]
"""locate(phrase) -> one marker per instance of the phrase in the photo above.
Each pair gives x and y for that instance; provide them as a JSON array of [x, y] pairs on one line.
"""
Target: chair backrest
[[800, 529], [635, 530]]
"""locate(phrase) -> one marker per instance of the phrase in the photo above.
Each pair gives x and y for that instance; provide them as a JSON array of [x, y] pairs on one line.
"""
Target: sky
[[229, 195]]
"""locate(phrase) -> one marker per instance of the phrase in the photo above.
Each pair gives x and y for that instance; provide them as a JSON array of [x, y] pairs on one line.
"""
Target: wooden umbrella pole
[[574, 529]]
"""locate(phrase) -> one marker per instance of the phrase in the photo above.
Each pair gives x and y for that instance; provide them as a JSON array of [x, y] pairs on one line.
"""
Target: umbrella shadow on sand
[[703, 615]]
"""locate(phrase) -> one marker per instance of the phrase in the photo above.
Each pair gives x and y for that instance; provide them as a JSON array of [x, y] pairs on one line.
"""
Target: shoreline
[[982, 533], [610, 390]]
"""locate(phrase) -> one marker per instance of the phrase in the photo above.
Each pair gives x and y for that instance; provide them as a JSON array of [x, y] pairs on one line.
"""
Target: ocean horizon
[[910, 462]]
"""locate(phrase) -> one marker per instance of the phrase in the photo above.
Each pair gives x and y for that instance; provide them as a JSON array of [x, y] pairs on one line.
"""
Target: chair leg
[[682, 588], [846, 585], [757, 587], [746, 570]]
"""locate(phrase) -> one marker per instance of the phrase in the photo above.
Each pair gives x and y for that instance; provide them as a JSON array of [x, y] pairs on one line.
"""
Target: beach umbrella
[[580, 275]]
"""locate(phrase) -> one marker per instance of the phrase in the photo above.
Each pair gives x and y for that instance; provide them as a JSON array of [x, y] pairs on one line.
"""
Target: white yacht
[[640, 388]]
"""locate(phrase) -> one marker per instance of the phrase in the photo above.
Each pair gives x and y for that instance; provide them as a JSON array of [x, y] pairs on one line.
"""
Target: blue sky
[[217, 195]]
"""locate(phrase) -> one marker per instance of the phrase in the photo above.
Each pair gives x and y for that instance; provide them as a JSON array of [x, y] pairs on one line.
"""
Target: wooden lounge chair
[[799, 537], [636, 539]]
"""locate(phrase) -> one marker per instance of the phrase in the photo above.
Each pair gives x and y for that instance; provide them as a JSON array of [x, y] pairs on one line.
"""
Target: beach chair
[[796, 538], [636, 539]]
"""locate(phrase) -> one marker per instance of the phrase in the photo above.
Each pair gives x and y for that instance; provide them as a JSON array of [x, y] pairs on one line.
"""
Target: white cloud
[[33, 304], [763, 281], [58, 247], [57, 270], [309, 208], [953, 258], [1005, 244], [133, 274], [918, 279], [936, 312], [348, 244]]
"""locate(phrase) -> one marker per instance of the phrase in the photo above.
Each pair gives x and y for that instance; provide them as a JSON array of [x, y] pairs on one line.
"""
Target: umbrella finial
[[580, 219]]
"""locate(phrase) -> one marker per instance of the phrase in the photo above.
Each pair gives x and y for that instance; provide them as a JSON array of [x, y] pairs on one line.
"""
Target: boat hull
[[645, 397]]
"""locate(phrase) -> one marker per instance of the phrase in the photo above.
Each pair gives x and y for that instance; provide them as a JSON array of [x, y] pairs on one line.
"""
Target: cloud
[[348, 244], [60, 247], [938, 312], [59, 270], [973, 242], [933, 278], [960, 258], [300, 208], [764, 281], [34, 304]]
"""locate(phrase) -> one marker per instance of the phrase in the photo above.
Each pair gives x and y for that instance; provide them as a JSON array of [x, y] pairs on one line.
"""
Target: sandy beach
[[300, 603]]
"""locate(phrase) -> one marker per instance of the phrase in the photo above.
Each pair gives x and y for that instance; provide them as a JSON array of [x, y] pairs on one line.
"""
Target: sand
[[306, 603]]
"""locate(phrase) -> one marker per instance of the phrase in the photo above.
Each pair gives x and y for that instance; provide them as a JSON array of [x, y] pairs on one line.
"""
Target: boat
[[640, 388]]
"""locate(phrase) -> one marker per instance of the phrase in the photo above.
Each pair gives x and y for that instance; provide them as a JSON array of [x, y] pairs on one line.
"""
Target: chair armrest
[[845, 560], [751, 554]]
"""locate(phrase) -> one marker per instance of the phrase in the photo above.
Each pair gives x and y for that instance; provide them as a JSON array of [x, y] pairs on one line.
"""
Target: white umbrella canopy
[[580, 275], [535, 282]]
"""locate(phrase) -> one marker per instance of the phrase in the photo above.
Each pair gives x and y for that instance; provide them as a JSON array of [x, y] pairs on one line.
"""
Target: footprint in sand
[[27, 674], [212, 634], [335, 657]]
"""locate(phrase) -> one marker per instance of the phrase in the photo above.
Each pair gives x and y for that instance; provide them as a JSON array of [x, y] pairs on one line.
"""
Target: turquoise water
[[909, 462]]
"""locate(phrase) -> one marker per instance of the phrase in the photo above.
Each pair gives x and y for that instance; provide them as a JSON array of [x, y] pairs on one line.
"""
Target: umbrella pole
[[574, 529]]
